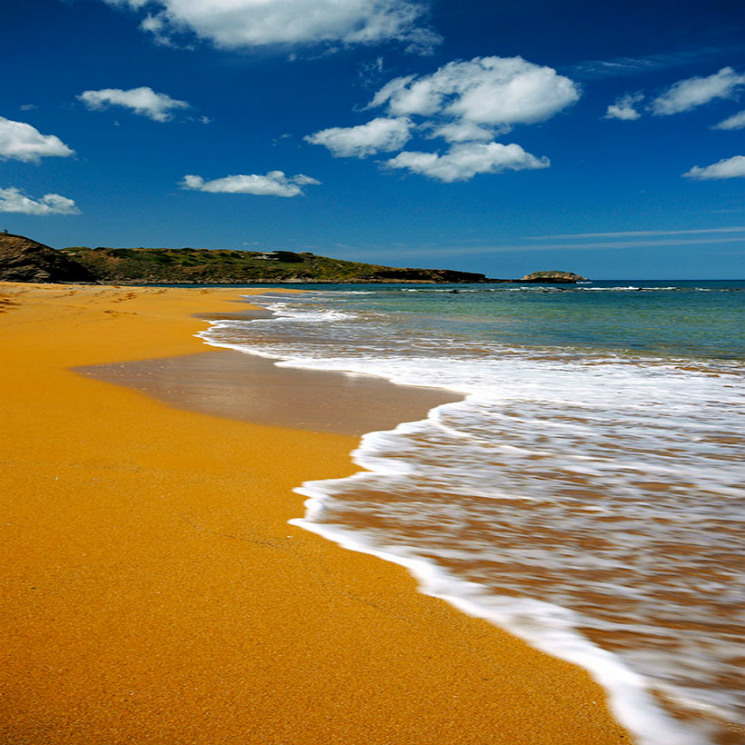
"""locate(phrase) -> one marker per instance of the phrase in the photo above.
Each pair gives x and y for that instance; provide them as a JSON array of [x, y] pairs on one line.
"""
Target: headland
[[25, 260]]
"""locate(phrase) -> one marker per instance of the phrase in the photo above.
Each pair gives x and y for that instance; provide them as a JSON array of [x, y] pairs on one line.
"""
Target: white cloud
[[736, 121], [143, 101], [733, 167], [12, 200], [688, 94], [464, 131], [21, 141], [465, 103], [251, 23], [463, 161], [624, 107], [378, 135], [484, 91], [274, 183]]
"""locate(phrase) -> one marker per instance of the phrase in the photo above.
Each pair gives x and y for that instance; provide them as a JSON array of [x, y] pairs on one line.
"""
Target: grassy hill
[[203, 266], [25, 260]]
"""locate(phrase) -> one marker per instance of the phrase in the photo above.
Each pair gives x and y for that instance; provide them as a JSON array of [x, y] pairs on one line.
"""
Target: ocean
[[587, 494]]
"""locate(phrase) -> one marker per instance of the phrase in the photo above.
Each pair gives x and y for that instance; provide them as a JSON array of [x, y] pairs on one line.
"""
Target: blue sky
[[498, 137]]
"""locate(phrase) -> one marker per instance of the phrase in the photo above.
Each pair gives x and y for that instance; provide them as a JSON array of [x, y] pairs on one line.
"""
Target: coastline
[[157, 592]]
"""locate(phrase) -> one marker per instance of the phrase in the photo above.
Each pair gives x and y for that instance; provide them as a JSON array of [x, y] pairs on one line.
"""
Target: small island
[[25, 260], [553, 277]]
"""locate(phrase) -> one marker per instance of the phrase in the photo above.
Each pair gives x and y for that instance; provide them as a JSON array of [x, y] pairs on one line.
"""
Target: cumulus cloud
[[736, 121], [625, 107], [378, 135], [252, 23], [21, 141], [143, 101], [733, 167], [485, 92], [466, 103], [13, 200], [463, 161], [693, 92], [274, 183]]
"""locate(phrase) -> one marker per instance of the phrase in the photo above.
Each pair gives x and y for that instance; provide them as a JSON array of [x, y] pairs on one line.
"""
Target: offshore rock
[[553, 277]]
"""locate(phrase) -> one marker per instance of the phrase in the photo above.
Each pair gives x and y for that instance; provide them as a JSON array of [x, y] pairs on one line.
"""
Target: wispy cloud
[[627, 66], [611, 245], [619, 241], [736, 121], [694, 92], [638, 233], [465, 249], [685, 95]]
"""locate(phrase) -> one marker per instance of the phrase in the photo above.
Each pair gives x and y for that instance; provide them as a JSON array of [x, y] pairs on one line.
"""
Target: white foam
[[545, 626], [611, 420]]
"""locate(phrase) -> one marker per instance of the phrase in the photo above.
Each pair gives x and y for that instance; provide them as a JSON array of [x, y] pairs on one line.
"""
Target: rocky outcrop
[[553, 277], [24, 260], [393, 274]]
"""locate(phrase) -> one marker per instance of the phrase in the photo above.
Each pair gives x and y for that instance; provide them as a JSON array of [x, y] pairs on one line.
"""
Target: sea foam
[[590, 503]]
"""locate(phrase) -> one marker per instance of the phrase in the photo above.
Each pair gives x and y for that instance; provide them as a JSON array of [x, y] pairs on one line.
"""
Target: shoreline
[[249, 388], [154, 590]]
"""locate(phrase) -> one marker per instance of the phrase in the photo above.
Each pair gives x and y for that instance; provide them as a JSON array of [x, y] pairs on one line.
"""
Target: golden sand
[[152, 591]]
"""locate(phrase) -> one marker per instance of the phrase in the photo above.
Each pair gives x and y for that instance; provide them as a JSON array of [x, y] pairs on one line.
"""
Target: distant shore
[[23, 259], [154, 592]]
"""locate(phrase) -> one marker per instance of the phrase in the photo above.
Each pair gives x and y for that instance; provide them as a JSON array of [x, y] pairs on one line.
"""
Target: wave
[[562, 455]]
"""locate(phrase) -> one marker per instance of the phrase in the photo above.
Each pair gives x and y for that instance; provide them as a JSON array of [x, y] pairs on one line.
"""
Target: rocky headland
[[25, 260]]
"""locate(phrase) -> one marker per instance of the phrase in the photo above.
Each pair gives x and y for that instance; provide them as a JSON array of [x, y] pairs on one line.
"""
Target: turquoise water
[[587, 494], [705, 318]]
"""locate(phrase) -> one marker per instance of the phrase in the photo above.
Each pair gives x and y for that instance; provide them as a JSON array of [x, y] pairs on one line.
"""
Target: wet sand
[[152, 590], [253, 389]]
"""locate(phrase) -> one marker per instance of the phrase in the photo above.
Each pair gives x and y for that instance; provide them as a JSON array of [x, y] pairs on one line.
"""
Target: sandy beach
[[153, 592]]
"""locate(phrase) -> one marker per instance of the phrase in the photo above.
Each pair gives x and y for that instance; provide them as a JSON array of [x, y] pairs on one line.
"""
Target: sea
[[588, 492]]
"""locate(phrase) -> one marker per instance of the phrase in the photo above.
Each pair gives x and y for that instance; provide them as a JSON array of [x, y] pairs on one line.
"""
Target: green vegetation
[[203, 266], [25, 260]]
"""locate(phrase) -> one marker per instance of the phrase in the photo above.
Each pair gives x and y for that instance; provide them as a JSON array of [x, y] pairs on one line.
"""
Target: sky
[[493, 136]]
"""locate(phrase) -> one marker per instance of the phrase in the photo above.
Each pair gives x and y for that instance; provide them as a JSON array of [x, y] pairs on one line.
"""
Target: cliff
[[25, 260]]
